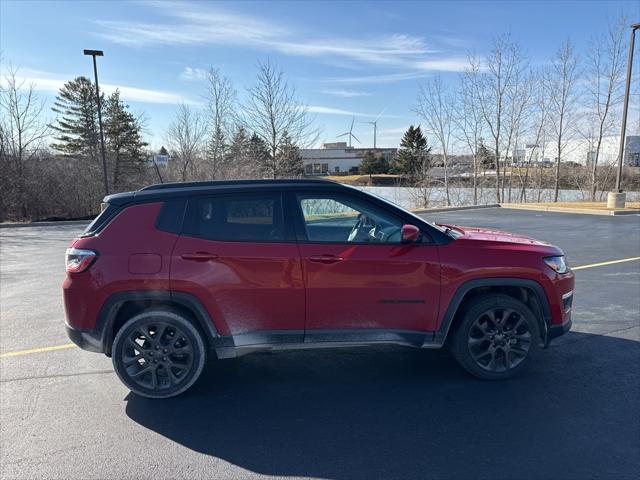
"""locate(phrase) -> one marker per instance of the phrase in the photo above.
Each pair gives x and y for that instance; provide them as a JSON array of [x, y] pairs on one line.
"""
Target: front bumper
[[85, 339], [554, 331]]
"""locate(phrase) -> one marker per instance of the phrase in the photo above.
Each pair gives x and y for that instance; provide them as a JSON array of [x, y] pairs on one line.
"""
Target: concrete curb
[[45, 224], [453, 209], [581, 211]]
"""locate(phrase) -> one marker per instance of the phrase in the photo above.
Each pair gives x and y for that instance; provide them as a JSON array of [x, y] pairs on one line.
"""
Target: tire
[[495, 337], [158, 354]]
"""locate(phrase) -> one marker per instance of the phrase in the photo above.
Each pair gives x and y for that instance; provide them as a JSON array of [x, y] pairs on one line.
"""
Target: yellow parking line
[[37, 350], [71, 345], [602, 264]]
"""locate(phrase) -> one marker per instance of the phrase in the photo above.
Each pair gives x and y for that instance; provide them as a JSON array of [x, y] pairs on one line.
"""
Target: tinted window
[[238, 218], [340, 218], [171, 215], [100, 221]]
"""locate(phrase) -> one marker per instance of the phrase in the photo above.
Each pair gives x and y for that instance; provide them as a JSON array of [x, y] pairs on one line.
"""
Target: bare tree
[[185, 139], [272, 110], [561, 79], [518, 105], [537, 125], [468, 118], [435, 106], [500, 69], [22, 129], [422, 185], [605, 69], [220, 117]]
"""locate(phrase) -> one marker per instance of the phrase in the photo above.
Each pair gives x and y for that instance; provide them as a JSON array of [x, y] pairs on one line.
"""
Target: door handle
[[199, 256], [325, 258]]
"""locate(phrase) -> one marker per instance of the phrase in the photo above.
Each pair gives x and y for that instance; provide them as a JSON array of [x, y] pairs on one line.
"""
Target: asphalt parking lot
[[386, 412]]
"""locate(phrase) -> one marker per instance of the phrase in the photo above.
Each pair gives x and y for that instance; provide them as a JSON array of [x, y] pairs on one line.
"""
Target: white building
[[581, 150], [337, 158]]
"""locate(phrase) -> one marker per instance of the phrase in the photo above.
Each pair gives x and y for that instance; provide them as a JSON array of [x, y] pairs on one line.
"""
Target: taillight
[[78, 260]]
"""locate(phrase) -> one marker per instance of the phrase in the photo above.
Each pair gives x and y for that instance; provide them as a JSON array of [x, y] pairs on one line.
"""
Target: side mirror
[[410, 234]]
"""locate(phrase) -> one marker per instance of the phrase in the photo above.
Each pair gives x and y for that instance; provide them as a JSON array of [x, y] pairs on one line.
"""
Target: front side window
[[246, 218], [343, 219]]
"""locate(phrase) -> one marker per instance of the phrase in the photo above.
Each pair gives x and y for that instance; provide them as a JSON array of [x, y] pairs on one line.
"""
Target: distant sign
[[161, 160]]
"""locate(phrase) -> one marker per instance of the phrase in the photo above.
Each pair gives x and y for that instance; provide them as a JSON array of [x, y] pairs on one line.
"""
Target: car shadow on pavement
[[390, 412]]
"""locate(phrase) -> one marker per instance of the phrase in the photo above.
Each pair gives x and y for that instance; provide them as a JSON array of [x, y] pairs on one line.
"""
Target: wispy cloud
[[382, 78], [338, 111], [443, 65], [418, 69], [195, 24], [191, 73], [46, 82], [346, 93]]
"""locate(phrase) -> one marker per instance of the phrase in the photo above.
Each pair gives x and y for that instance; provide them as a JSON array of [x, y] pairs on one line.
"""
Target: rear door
[[239, 257], [359, 276]]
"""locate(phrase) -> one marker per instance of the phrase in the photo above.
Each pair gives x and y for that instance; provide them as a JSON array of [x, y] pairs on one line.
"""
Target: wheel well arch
[[123, 305], [527, 291]]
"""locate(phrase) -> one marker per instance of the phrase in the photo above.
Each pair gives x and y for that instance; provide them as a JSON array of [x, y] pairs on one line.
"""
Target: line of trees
[[258, 138], [502, 103], [51, 165], [54, 168]]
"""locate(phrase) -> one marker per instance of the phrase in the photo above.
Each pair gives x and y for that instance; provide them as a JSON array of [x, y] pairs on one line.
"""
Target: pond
[[409, 197]]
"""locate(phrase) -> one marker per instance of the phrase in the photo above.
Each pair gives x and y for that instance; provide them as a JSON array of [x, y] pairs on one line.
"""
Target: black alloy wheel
[[499, 339], [494, 336], [158, 354]]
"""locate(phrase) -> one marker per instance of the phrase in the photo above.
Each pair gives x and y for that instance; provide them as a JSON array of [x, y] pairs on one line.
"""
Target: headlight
[[557, 264]]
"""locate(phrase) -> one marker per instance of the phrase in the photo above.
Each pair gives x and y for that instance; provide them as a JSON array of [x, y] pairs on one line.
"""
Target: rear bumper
[[85, 339]]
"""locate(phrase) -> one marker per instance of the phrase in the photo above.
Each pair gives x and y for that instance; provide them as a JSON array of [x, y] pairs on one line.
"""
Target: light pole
[[617, 199], [94, 54]]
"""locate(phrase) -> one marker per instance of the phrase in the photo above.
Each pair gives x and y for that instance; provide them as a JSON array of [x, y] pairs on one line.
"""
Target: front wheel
[[495, 337], [158, 354]]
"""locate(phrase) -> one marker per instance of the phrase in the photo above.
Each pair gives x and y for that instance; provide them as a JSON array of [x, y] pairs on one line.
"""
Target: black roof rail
[[221, 183]]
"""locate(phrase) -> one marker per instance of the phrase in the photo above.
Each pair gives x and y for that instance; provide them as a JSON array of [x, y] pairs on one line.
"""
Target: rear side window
[[248, 218], [100, 221], [171, 216]]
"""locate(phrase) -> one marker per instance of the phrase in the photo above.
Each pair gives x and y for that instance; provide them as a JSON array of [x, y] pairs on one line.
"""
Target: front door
[[242, 262], [358, 274]]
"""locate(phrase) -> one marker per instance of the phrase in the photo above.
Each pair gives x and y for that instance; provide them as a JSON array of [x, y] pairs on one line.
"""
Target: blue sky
[[345, 58]]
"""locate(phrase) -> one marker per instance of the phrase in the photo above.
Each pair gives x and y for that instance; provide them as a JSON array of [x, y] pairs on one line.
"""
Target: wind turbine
[[375, 126], [350, 133]]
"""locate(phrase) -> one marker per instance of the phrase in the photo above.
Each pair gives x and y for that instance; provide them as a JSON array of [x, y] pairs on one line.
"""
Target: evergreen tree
[[414, 154], [76, 128], [217, 152], [237, 158], [374, 164], [259, 157], [125, 147], [486, 156], [289, 159]]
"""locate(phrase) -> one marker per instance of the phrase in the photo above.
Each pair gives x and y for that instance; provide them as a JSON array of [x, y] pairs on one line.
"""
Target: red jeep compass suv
[[172, 273]]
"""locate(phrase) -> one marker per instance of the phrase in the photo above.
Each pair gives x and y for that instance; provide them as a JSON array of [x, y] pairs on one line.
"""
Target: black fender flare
[[187, 301], [456, 301]]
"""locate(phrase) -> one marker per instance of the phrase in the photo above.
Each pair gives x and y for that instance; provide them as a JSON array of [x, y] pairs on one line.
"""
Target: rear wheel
[[158, 354], [495, 337]]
